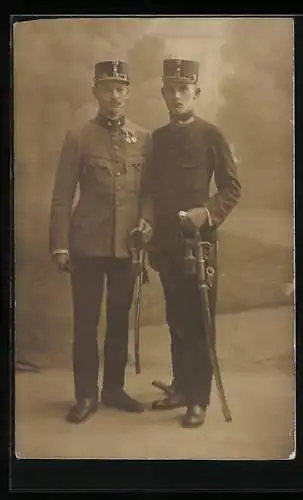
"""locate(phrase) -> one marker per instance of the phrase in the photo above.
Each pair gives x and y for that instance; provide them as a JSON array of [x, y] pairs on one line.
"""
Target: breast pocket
[[134, 169], [99, 171]]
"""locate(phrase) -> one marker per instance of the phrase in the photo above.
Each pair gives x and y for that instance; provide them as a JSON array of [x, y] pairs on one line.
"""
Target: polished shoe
[[121, 401], [173, 401], [194, 416], [82, 410]]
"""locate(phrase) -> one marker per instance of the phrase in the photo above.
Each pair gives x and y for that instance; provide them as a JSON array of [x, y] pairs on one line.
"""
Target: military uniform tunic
[[184, 160], [109, 160], [109, 164]]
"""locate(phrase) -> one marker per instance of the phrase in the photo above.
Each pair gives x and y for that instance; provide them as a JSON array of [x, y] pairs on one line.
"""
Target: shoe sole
[[186, 425], [166, 408], [89, 414]]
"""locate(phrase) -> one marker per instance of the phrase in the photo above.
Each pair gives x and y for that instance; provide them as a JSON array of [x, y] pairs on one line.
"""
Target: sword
[[138, 255], [202, 273]]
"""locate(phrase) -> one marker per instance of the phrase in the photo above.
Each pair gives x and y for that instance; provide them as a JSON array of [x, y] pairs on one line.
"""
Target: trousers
[[191, 366], [87, 283]]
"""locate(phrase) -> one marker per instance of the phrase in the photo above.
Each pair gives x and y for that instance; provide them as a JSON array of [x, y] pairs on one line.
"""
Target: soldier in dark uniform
[[109, 158], [187, 152]]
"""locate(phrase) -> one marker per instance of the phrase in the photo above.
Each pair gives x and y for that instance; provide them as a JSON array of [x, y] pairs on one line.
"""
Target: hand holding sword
[[139, 237]]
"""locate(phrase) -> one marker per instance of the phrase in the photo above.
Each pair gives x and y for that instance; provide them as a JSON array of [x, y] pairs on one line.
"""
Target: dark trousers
[[87, 280], [192, 370]]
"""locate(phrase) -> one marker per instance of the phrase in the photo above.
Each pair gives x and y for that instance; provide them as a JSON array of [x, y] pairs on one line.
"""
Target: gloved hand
[[62, 261], [146, 231], [195, 218]]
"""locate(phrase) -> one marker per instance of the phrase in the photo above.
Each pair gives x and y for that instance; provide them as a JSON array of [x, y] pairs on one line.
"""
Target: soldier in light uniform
[[109, 158], [187, 152]]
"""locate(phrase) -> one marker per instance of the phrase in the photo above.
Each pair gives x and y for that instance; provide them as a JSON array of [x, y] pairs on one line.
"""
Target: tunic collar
[[182, 120], [110, 123]]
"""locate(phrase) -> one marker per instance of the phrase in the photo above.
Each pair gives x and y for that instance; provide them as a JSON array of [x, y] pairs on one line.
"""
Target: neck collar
[[111, 123], [183, 119]]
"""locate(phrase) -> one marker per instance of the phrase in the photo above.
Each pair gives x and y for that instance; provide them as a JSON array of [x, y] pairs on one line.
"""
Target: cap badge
[[178, 68], [115, 69]]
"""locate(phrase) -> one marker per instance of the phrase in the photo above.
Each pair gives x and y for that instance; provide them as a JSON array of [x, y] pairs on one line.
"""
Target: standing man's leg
[[120, 286], [200, 370], [172, 282], [190, 357], [87, 281]]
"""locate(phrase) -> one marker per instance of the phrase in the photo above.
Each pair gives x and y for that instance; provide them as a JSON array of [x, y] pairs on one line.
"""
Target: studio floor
[[255, 350]]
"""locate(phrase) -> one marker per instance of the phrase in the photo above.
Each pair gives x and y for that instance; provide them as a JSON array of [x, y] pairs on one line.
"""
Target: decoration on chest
[[129, 135]]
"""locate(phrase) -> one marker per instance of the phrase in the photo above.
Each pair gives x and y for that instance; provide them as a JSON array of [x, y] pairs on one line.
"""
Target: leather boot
[[175, 400], [194, 416], [82, 410]]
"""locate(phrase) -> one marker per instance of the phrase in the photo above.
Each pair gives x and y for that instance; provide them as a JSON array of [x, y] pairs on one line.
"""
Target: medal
[[133, 137], [130, 135]]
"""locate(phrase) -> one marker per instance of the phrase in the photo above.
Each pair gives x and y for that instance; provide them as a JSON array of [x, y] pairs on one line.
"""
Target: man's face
[[111, 96], [180, 97]]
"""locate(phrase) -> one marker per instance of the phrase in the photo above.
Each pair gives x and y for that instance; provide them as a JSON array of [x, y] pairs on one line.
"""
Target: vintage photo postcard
[[154, 238]]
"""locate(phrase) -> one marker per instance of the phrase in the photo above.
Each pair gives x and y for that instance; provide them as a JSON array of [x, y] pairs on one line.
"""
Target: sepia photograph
[[153, 163]]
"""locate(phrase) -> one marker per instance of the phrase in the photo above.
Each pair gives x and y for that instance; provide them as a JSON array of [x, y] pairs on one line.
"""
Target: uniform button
[[116, 147], [117, 174], [117, 203], [118, 188]]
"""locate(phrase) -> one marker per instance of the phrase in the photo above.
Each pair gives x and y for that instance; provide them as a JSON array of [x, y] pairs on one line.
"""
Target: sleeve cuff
[[60, 250], [210, 219]]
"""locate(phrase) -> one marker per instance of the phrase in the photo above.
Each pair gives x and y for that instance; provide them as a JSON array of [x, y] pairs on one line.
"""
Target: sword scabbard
[[208, 325]]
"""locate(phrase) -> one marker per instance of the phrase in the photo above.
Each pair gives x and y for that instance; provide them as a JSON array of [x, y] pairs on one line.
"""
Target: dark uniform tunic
[[109, 161], [184, 160]]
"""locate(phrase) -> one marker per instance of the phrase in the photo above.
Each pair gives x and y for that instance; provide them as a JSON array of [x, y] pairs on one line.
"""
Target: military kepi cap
[[111, 70], [183, 70]]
